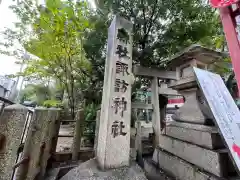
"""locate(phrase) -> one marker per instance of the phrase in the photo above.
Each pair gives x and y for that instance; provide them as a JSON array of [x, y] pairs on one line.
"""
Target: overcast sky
[[7, 17], [7, 65]]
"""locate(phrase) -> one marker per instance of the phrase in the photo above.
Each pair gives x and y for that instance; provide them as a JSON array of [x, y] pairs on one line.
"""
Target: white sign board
[[224, 109]]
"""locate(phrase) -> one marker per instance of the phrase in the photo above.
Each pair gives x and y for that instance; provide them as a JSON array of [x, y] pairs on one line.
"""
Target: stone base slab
[[201, 135], [208, 160], [178, 168], [90, 171]]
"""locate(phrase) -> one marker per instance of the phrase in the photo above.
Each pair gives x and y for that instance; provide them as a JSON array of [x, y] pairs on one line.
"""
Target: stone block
[[178, 168], [77, 134], [209, 160], [191, 111], [38, 143], [47, 137], [11, 129], [201, 135]]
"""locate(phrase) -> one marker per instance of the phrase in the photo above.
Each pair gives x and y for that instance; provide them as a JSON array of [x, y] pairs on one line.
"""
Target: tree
[[57, 35], [95, 49], [36, 93], [162, 28]]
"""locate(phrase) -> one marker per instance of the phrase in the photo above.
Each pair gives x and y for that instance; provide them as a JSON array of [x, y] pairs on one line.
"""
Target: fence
[[84, 130], [3, 103], [28, 140]]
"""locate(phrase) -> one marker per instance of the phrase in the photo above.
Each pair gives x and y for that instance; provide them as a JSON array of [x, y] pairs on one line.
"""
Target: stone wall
[[38, 146], [25, 155], [11, 128]]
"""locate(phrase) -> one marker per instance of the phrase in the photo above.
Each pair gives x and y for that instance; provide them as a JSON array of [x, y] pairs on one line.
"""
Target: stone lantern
[[192, 140], [194, 109]]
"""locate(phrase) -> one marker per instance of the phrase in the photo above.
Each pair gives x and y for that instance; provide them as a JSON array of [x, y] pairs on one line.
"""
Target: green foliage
[[52, 103], [231, 84], [37, 93], [223, 67], [57, 36], [69, 39], [90, 112], [162, 28]]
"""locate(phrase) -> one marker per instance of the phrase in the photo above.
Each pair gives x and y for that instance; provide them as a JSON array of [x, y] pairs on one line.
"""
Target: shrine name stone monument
[[114, 130], [113, 147]]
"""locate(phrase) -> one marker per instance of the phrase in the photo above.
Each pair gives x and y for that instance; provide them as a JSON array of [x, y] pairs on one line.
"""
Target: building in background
[[144, 95], [7, 87]]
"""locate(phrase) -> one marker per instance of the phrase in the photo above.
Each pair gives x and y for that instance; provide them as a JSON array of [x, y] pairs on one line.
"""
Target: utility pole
[[24, 58]]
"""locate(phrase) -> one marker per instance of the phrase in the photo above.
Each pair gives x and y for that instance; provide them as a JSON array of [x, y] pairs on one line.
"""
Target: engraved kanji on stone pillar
[[114, 131]]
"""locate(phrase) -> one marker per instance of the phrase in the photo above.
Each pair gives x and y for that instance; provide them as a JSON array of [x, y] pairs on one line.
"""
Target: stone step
[[179, 168], [52, 174], [215, 162], [153, 172], [147, 150], [205, 136]]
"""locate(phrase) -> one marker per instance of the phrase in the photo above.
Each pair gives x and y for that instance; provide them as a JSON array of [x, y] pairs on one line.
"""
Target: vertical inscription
[[120, 103], [114, 130]]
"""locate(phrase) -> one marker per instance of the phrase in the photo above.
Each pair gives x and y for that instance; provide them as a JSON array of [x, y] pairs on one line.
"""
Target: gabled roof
[[198, 52]]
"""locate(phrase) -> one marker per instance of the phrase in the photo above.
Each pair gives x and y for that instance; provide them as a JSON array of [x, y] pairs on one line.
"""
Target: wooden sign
[[222, 3], [224, 110]]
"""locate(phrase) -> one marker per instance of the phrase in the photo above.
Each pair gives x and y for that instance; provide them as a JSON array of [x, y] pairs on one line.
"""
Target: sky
[[7, 18], [7, 64]]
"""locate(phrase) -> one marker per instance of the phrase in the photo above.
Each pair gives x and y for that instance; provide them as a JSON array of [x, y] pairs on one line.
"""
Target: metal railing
[[3, 103], [23, 139]]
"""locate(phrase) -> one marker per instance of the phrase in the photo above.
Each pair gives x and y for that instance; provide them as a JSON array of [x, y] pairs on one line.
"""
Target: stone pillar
[[11, 128], [56, 132], [47, 137], [156, 111], [114, 131], [138, 140], [34, 146], [77, 134], [96, 131]]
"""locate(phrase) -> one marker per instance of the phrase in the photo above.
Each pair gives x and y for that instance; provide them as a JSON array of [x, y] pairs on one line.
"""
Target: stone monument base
[[89, 171], [179, 168], [201, 135]]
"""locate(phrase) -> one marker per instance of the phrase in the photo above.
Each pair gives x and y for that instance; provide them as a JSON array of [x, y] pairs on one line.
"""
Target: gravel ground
[[65, 144]]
